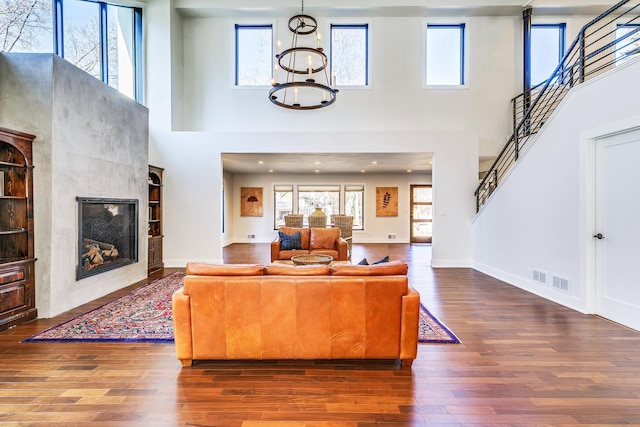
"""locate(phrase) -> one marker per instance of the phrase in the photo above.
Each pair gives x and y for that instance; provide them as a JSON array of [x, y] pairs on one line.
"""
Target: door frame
[[588, 143], [411, 238]]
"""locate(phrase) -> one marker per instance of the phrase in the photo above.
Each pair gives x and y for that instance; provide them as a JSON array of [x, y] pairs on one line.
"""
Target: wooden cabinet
[[17, 283], [155, 218]]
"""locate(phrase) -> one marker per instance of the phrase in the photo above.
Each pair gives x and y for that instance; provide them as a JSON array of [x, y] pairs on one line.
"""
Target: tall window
[[254, 53], [547, 50], [627, 41], [282, 204], [27, 26], [445, 55], [350, 54], [103, 40], [326, 197], [354, 204]]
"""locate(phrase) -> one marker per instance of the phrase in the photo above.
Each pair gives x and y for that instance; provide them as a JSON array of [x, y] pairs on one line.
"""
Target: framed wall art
[[251, 201], [386, 201]]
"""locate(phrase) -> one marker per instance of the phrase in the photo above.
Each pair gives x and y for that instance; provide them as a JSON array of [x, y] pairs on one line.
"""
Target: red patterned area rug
[[431, 330], [142, 315]]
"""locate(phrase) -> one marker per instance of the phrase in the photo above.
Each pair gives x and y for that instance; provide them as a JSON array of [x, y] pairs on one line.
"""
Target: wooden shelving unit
[[155, 218], [17, 282]]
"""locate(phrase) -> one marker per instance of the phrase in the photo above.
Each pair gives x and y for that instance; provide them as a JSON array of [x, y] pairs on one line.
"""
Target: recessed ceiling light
[[260, 162], [317, 171], [408, 170], [270, 170], [316, 162], [375, 162], [362, 170]]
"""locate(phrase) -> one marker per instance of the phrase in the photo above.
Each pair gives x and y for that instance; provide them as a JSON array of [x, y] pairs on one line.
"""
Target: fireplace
[[107, 235]]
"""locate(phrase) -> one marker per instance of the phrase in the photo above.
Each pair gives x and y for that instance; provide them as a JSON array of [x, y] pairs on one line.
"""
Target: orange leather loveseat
[[320, 241], [278, 311]]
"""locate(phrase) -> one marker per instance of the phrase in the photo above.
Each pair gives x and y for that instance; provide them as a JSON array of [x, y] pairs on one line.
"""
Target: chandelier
[[303, 65]]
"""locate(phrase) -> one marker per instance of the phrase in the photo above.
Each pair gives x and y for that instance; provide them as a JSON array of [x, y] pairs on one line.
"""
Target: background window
[[27, 26], [547, 50], [254, 53], [101, 39], [445, 54], [105, 41], [350, 54], [354, 204], [82, 35], [282, 203], [121, 49], [326, 197], [627, 41]]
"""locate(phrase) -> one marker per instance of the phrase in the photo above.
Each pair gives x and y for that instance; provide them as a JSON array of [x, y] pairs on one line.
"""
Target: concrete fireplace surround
[[91, 141]]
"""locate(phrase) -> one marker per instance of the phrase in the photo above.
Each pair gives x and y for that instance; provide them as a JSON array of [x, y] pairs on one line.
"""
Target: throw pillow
[[380, 261], [363, 262], [290, 241]]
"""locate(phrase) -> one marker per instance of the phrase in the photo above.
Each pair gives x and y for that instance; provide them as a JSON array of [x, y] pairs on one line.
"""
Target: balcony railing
[[608, 40]]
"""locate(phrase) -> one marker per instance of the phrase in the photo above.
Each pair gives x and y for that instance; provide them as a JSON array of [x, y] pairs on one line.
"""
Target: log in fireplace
[[107, 235]]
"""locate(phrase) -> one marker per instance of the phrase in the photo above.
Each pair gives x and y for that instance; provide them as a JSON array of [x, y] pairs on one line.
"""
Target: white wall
[[91, 141], [375, 228], [396, 99], [193, 182], [542, 216], [395, 114]]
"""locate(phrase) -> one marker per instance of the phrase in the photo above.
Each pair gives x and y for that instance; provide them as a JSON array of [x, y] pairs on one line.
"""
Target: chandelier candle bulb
[[318, 38]]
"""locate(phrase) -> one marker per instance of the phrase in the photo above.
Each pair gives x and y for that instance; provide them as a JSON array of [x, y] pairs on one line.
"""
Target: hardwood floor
[[522, 361]]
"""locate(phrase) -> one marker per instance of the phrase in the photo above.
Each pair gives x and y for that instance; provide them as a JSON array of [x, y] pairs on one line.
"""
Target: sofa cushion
[[290, 241], [304, 234], [301, 270], [207, 269], [384, 269], [324, 238]]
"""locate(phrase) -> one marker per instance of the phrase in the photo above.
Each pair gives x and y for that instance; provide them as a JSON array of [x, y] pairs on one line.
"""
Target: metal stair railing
[[610, 39]]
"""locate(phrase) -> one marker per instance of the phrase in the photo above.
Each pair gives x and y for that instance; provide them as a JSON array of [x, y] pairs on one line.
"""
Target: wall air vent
[[539, 277], [561, 284]]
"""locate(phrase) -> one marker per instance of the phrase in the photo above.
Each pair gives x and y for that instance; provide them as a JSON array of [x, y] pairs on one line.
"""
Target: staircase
[[608, 40]]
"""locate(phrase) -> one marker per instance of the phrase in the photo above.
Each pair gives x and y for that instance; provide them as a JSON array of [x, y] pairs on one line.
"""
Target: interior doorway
[[616, 234], [421, 214]]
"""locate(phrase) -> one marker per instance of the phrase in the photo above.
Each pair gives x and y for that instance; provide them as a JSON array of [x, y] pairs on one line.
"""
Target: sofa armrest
[[181, 312], [342, 246], [275, 250], [409, 326]]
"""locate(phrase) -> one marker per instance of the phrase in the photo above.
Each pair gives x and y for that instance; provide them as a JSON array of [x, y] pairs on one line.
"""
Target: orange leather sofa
[[321, 241], [278, 311]]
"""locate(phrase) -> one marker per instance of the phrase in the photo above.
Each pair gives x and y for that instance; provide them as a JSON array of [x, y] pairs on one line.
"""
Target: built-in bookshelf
[[17, 283], [155, 218]]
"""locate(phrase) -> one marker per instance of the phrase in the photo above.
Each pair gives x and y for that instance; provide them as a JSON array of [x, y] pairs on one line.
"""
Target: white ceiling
[[327, 163], [393, 8]]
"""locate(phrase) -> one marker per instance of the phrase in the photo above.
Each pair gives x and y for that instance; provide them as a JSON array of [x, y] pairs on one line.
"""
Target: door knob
[[599, 236]]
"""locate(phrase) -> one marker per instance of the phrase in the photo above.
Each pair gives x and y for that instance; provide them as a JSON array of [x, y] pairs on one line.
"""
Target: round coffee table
[[311, 259]]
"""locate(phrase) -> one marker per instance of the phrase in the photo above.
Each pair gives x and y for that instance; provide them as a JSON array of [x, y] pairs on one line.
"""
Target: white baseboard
[[526, 284]]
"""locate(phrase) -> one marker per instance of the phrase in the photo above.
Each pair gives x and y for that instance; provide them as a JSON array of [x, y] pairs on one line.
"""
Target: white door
[[617, 235]]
